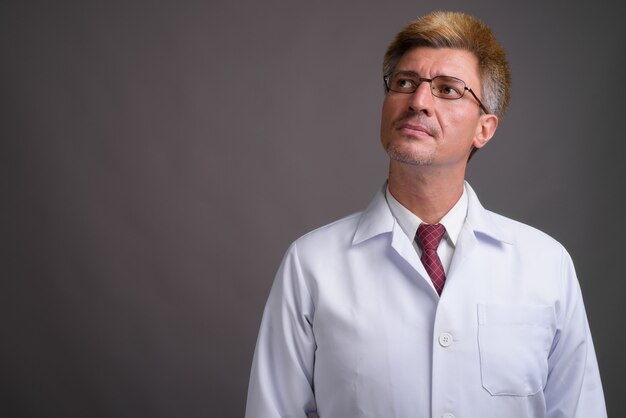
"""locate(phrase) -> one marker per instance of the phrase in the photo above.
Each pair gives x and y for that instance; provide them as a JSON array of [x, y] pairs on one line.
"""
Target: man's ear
[[485, 130]]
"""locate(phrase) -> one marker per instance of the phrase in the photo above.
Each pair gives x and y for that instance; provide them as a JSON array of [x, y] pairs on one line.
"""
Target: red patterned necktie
[[428, 238]]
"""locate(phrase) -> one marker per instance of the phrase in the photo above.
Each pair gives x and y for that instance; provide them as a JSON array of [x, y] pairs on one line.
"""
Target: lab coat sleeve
[[281, 380], [573, 388]]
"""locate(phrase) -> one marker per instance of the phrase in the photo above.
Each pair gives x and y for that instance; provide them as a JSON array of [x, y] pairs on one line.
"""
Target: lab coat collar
[[377, 219], [482, 221]]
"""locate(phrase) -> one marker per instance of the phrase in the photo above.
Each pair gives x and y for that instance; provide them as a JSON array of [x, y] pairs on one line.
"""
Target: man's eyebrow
[[407, 72]]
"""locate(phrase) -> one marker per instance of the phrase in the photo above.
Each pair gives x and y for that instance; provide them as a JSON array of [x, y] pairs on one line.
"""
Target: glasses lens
[[402, 82], [448, 87]]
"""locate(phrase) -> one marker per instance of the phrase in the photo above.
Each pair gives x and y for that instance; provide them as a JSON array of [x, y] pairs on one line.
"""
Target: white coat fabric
[[353, 327]]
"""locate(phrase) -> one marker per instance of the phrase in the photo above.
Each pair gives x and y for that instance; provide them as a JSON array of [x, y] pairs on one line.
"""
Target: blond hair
[[458, 30]]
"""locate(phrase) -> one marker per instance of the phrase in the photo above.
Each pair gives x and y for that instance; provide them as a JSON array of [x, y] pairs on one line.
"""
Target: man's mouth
[[416, 129]]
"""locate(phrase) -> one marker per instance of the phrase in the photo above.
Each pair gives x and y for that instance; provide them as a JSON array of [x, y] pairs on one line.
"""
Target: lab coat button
[[445, 340]]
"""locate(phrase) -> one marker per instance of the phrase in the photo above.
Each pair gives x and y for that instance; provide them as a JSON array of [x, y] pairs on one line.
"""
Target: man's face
[[421, 129]]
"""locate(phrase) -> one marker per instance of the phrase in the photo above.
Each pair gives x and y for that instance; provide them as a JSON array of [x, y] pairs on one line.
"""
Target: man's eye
[[405, 83], [448, 90]]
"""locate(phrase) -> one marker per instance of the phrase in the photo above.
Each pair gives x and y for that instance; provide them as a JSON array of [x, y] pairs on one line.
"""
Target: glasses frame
[[420, 80]]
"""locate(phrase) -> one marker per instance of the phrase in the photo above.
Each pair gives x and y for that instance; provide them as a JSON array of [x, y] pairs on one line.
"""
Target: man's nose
[[422, 99]]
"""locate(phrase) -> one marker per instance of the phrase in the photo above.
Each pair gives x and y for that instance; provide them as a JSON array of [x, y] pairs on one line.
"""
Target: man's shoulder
[[339, 236], [522, 233], [342, 230], [503, 228]]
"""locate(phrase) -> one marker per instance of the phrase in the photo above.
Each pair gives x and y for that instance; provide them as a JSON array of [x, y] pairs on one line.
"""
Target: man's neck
[[429, 192]]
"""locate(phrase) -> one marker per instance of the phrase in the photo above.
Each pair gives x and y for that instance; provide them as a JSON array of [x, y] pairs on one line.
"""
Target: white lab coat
[[353, 327]]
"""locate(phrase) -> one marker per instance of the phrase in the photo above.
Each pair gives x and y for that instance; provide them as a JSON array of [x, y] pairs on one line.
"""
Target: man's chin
[[411, 157]]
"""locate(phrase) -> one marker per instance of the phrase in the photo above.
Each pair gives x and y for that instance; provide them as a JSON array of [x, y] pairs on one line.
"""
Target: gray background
[[158, 158]]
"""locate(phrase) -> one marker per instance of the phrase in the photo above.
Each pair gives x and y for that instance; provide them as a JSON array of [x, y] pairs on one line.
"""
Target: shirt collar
[[409, 222]]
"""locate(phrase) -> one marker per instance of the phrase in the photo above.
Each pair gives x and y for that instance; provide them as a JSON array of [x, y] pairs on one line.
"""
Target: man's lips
[[414, 129]]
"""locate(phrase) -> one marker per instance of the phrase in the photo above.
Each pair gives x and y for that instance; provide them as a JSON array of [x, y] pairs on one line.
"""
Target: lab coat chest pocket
[[514, 343]]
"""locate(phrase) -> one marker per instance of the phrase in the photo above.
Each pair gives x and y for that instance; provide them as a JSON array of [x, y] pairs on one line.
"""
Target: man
[[426, 304]]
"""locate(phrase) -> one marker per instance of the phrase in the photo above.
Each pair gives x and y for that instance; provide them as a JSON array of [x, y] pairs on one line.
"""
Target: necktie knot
[[429, 236]]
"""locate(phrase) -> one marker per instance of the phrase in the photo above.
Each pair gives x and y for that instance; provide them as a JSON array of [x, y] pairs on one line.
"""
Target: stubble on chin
[[403, 155]]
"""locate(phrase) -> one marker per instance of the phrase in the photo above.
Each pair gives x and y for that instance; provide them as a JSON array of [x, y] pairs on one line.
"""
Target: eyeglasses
[[442, 86]]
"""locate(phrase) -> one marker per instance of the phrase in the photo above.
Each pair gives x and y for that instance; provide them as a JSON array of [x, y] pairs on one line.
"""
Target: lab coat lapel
[[404, 247], [376, 220]]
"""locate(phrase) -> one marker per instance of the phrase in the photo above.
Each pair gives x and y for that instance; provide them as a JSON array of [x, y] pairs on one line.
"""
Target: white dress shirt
[[353, 327]]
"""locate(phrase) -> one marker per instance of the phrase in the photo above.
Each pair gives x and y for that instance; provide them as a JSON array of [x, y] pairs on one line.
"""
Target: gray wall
[[158, 157]]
